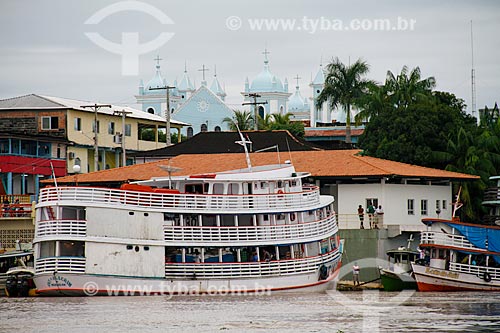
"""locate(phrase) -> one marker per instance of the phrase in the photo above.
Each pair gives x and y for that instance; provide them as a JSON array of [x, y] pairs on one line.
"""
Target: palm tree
[[373, 103], [243, 119], [406, 88], [344, 85], [266, 122]]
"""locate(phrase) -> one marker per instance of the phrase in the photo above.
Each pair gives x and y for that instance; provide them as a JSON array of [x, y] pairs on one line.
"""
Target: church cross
[[297, 78], [157, 59], [203, 69]]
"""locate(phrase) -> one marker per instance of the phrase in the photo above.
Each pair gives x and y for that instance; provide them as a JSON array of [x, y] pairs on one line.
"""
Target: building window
[[94, 127], [411, 207], [78, 161], [423, 207], [444, 204], [189, 132], [282, 110], [50, 123], [128, 130], [151, 110], [262, 112], [111, 128], [372, 201], [203, 127], [217, 128], [78, 124]]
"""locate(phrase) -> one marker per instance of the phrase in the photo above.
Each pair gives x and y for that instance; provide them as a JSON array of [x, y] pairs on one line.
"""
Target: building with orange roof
[[406, 192]]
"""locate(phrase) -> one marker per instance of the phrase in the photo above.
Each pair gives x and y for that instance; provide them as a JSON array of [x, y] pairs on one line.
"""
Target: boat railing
[[477, 270], [252, 234], [60, 265], [77, 228], [249, 269], [491, 194], [309, 198], [441, 238]]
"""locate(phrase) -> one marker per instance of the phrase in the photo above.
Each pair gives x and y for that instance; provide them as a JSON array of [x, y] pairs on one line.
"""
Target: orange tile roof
[[328, 163]]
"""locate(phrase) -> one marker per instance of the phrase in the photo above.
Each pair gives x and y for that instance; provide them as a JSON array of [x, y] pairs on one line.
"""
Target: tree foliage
[[344, 87]]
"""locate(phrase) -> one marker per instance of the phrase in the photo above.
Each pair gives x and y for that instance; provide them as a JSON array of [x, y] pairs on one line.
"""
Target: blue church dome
[[266, 81]]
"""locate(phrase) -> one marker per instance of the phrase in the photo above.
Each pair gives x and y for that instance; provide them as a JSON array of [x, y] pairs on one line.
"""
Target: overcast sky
[[44, 48]]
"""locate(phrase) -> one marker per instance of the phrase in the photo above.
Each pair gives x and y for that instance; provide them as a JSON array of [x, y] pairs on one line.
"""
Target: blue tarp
[[481, 237]]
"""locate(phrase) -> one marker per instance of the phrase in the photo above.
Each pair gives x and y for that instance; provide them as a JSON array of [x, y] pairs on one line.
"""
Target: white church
[[204, 107]]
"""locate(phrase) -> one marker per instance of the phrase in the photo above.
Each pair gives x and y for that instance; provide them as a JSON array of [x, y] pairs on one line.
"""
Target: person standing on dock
[[361, 214], [379, 217], [355, 274], [371, 212]]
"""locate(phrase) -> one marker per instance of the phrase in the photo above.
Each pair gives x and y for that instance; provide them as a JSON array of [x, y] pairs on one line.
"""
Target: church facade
[[204, 107]]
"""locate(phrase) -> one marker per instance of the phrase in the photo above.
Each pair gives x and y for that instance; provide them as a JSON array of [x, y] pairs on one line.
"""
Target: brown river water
[[367, 311]]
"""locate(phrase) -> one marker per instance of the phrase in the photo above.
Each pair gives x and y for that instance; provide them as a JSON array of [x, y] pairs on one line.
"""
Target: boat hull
[[396, 282], [94, 285], [435, 279]]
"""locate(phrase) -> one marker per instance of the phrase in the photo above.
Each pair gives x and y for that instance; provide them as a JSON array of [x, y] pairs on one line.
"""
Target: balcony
[[60, 265], [61, 227], [211, 204], [491, 196], [16, 206], [253, 235], [440, 238], [249, 269]]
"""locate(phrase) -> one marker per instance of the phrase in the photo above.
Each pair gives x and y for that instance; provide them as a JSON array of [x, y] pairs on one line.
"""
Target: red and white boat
[[462, 256]]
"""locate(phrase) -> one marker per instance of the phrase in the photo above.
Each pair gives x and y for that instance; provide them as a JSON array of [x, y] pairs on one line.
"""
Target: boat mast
[[244, 142]]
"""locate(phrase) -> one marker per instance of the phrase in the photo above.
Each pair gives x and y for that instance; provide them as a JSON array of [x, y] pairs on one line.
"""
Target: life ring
[[486, 277], [292, 217], [323, 272], [280, 192]]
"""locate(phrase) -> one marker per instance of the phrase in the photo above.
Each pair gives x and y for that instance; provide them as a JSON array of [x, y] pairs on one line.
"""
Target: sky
[[47, 45]]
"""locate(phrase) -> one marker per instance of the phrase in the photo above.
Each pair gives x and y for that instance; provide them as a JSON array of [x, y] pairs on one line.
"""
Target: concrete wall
[[364, 244]]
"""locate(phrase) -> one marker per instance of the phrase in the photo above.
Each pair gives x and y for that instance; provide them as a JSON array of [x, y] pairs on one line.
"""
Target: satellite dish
[[168, 168]]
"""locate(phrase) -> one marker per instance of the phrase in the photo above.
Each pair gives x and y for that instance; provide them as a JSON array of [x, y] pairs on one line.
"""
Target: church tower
[[271, 89], [320, 115], [155, 101]]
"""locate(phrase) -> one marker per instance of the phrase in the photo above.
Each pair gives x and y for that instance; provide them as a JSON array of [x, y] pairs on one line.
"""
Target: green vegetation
[[345, 86], [407, 121], [244, 119]]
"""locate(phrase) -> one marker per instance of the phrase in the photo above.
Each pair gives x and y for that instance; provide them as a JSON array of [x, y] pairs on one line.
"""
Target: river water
[[367, 311]]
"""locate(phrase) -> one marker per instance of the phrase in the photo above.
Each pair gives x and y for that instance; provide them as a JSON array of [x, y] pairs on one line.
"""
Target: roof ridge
[[360, 158], [47, 98]]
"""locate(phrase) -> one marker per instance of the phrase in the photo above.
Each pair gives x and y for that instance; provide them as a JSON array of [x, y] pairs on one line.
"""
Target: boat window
[[404, 257], [129, 247], [233, 188], [280, 216], [210, 220], [194, 188], [293, 183], [73, 213], [146, 248], [218, 188], [245, 220], [280, 183], [72, 249], [227, 220], [265, 217], [263, 185], [47, 249]]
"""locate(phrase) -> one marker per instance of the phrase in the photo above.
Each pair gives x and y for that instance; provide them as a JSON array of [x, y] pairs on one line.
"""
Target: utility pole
[[96, 145], [124, 114], [167, 113], [255, 113]]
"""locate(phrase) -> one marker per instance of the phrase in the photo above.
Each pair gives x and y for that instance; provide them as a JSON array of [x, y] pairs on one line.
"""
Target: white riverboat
[[258, 229], [462, 256]]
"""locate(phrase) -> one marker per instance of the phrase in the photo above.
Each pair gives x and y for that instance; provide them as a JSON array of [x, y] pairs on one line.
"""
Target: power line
[[255, 113]]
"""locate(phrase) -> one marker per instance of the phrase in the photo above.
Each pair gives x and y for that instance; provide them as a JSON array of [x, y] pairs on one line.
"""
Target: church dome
[[156, 82], [297, 103], [266, 81]]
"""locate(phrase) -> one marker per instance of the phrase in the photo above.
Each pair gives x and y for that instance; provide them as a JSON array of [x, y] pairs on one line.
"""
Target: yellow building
[[73, 121]]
